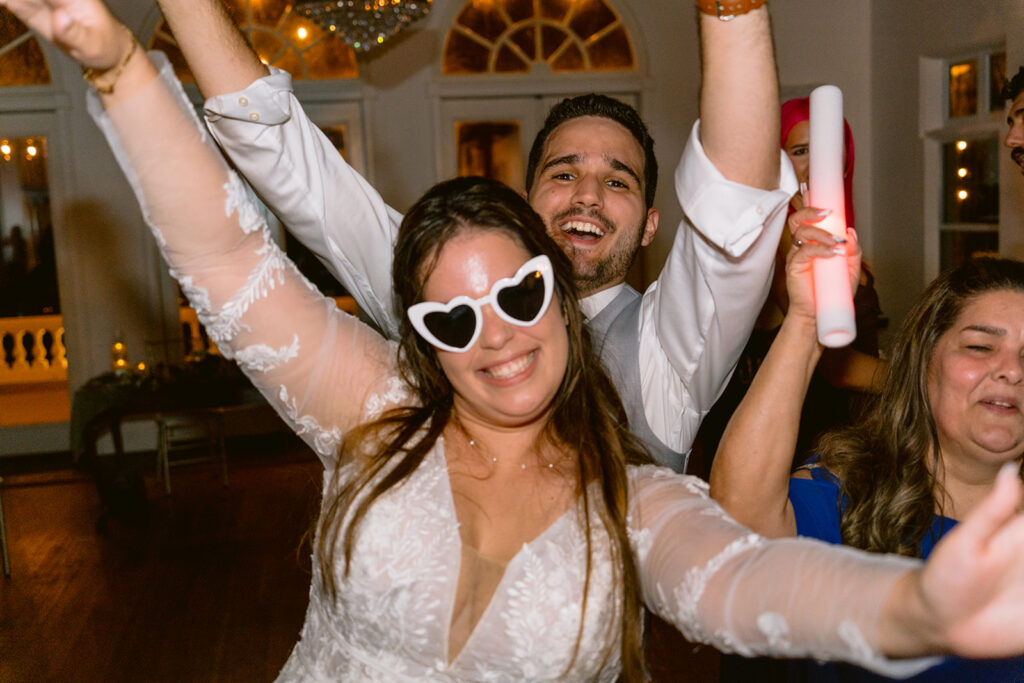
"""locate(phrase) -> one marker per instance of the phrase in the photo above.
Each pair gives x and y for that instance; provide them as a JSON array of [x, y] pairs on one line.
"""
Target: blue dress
[[816, 504]]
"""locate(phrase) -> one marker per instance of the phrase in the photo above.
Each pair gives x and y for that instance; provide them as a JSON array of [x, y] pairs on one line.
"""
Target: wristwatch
[[727, 9]]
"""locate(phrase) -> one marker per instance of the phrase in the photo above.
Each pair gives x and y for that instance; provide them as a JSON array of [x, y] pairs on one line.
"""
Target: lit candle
[[832, 296], [118, 355]]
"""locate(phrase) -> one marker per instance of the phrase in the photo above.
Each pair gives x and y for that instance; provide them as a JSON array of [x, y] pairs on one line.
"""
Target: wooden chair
[[3, 534], [190, 432]]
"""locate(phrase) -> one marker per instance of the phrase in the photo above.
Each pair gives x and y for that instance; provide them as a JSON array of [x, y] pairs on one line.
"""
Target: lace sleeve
[[316, 365], [722, 584]]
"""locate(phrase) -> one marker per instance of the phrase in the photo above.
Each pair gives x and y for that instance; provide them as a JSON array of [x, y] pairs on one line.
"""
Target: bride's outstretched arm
[[295, 346], [720, 583]]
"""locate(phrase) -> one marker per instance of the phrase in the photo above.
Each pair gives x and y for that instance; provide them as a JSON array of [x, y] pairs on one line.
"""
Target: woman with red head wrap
[[843, 374], [794, 138]]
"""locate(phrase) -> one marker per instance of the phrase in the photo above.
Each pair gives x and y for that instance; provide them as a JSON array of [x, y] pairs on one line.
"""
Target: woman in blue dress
[[948, 419]]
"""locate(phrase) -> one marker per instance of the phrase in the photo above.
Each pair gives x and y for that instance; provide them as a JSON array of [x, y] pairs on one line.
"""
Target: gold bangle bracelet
[[90, 75], [728, 9]]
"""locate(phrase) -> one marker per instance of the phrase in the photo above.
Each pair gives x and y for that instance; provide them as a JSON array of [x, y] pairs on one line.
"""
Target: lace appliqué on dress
[[325, 441], [261, 358], [396, 393]]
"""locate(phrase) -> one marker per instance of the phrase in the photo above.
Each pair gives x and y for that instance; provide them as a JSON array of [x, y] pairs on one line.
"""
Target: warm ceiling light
[[302, 33], [961, 195], [364, 24], [961, 145], [962, 172], [31, 151]]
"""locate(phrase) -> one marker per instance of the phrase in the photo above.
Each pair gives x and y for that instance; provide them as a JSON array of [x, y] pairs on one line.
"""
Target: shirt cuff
[[265, 101], [730, 215]]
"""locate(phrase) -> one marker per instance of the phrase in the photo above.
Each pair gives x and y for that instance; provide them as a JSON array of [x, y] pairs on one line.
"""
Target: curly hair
[[1014, 85], [886, 462], [605, 107], [586, 415]]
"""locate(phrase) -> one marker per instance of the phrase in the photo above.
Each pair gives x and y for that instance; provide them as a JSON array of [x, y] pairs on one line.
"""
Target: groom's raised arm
[[254, 116]]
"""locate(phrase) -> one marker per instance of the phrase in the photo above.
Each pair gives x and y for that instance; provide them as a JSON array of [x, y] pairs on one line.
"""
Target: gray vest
[[617, 340]]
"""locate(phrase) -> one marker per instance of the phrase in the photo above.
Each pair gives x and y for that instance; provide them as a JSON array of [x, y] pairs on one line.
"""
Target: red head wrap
[[796, 110]]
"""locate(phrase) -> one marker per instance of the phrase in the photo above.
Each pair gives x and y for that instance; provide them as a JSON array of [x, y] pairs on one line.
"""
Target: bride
[[485, 514]]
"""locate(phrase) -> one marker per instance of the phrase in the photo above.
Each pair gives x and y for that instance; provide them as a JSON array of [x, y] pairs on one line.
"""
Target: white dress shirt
[[695, 317]]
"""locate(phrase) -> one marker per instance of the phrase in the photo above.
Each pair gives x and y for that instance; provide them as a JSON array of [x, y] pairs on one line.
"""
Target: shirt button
[[243, 101], [760, 211], [254, 116]]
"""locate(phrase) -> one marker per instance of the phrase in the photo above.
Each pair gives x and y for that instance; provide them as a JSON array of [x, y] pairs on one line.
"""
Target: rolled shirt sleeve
[[696, 317], [321, 199]]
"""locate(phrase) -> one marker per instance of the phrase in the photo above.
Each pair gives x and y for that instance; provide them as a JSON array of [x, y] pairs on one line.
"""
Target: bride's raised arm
[[316, 365]]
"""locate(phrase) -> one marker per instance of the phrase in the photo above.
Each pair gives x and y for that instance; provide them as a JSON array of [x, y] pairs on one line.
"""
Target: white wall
[[902, 31]]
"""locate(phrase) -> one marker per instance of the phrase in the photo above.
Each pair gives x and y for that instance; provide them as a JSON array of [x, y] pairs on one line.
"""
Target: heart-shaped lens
[[454, 328], [524, 300]]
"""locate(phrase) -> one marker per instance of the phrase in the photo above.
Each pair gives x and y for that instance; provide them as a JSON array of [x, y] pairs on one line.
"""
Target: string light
[[961, 195], [962, 172], [961, 145], [5, 149]]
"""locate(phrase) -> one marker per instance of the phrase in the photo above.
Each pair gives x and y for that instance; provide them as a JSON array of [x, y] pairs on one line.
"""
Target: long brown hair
[[586, 416], [886, 462]]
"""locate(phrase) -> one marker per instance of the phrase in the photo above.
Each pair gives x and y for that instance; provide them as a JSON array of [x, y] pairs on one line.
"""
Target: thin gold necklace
[[479, 449]]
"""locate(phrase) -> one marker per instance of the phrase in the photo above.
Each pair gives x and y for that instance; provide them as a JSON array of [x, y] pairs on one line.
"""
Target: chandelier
[[364, 24]]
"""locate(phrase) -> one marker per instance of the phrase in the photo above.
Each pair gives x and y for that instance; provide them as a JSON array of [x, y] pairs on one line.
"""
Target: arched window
[[518, 36], [281, 36], [21, 59]]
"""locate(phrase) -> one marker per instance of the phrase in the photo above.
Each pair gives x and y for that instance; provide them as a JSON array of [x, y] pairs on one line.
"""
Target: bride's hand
[[970, 596], [84, 29], [975, 577]]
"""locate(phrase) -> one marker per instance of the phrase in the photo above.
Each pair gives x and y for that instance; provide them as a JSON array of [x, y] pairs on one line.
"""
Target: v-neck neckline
[[443, 463]]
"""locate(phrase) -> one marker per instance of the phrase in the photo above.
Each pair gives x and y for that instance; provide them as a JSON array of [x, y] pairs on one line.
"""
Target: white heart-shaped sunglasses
[[520, 300]]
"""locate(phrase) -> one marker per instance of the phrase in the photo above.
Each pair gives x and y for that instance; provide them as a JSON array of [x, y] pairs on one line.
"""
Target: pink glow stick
[[832, 296]]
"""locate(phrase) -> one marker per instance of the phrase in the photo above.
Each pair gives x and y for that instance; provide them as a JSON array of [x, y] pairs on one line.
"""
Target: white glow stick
[[832, 296]]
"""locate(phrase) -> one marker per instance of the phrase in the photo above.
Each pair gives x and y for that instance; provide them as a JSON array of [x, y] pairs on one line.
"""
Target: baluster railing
[[33, 350]]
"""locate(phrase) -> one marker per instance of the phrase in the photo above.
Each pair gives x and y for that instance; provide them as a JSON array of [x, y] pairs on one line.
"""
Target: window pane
[[570, 35], [613, 51], [491, 149], [28, 269], [570, 59], [463, 55], [590, 17], [510, 62], [970, 181], [963, 89], [23, 64], [959, 246], [483, 19], [997, 79], [525, 39]]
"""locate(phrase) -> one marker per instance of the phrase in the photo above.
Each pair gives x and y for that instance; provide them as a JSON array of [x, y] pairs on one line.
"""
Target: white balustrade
[[26, 356], [33, 349]]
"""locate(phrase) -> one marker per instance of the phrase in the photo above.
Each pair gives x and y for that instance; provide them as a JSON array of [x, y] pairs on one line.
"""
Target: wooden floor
[[211, 587]]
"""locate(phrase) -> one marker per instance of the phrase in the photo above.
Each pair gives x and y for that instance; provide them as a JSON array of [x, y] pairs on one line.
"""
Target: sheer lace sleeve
[[316, 365], [722, 584]]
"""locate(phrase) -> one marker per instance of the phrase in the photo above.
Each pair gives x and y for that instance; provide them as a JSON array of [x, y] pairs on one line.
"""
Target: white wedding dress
[[325, 372]]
